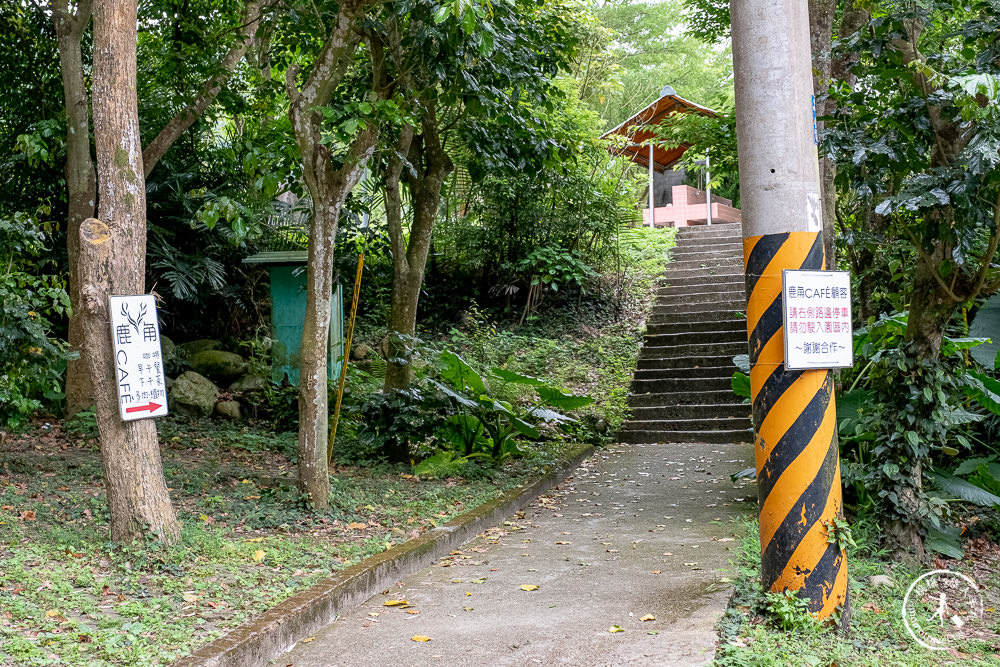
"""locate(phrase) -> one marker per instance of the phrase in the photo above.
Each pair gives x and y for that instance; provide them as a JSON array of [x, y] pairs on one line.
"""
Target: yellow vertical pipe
[[347, 356]]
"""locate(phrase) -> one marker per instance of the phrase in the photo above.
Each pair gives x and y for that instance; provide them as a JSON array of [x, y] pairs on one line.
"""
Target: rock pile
[[205, 366]]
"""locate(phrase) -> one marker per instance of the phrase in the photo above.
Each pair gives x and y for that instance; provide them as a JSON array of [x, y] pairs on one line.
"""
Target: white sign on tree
[[817, 313], [135, 331]]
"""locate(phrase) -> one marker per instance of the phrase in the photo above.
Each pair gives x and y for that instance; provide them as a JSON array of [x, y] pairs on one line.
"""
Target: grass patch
[[70, 597], [763, 630]]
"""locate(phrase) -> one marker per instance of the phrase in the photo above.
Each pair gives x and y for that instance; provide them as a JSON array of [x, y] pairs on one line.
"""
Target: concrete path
[[639, 530]]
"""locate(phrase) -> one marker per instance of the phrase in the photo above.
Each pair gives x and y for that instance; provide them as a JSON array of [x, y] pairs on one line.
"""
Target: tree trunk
[[432, 167], [81, 184], [184, 119], [329, 187], [821, 14], [133, 474], [80, 180], [931, 307], [113, 259]]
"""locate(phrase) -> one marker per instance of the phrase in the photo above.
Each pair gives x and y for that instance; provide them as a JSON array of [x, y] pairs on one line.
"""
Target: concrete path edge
[[277, 630]]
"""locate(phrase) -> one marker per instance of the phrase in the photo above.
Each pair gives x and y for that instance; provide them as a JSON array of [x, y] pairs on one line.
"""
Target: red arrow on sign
[[139, 408]]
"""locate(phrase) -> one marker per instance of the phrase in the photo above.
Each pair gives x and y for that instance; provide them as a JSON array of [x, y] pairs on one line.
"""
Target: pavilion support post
[[794, 415], [652, 195], [708, 189]]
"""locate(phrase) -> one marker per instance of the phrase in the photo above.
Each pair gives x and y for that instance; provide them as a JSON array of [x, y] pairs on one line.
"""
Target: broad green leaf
[[460, 374], [952, 345], [987, 325], [848, 405], [984, 390], [967, 491], [945, 541], [460, 398], [563, 401], [741, 385], [546, 415], [517, 378], [524, 428]]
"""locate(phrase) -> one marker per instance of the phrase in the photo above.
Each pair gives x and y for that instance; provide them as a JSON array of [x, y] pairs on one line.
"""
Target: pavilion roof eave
[[634, 129]]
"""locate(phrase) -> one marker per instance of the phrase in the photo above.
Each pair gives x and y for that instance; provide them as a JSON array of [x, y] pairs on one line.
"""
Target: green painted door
[[288, 316]]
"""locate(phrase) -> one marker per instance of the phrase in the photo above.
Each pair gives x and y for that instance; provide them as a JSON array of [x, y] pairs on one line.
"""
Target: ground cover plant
[[774, 630], [69, 596]]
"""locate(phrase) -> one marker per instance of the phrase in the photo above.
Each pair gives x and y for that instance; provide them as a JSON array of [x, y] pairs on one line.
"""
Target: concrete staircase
[[681, 389]]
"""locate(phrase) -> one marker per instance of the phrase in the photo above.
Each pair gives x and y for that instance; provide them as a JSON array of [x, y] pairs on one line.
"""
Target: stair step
[[729, 307], [702, 279], [696, 326], [718, 228], [683, 398], [705, 274], [692, 249], [735, 335], [721, 371], [650, 362], [708, 424], [693, 386], [720, 410], [706, 349], [707, 437], [733, 288], [709, 240], [706, 303], [706, 316], [709, 261]]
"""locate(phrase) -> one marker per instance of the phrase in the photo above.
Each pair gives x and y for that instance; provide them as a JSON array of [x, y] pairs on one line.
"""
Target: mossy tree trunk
[[81, 181], [430, 167], [329, 184], [112, 261]]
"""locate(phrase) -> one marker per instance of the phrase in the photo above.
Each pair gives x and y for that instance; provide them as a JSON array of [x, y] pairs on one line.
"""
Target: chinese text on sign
[[135, 332]]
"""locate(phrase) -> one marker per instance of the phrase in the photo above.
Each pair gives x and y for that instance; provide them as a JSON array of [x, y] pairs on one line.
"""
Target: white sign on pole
[[135, 331], [817, 316]]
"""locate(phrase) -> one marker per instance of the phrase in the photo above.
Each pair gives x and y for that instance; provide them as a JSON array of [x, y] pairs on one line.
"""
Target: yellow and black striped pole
[[794, 413]]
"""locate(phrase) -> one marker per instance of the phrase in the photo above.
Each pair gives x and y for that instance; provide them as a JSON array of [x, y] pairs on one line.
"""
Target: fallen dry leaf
[[616, 628], [189, 597], [394, 603], [259, 555], [412, 611], [28, 515], [648, 617], [529, 587], [656, 572], [308, 639], [564, 543], [420, 638], [51, 613], [354, 525]]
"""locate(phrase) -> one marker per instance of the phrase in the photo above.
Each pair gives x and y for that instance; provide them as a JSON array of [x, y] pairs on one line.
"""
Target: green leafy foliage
[[31, 358], [396, 422], [552, 267], [987, 325], [901, 414], [489, 420], [790, 611], [838, 531]]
